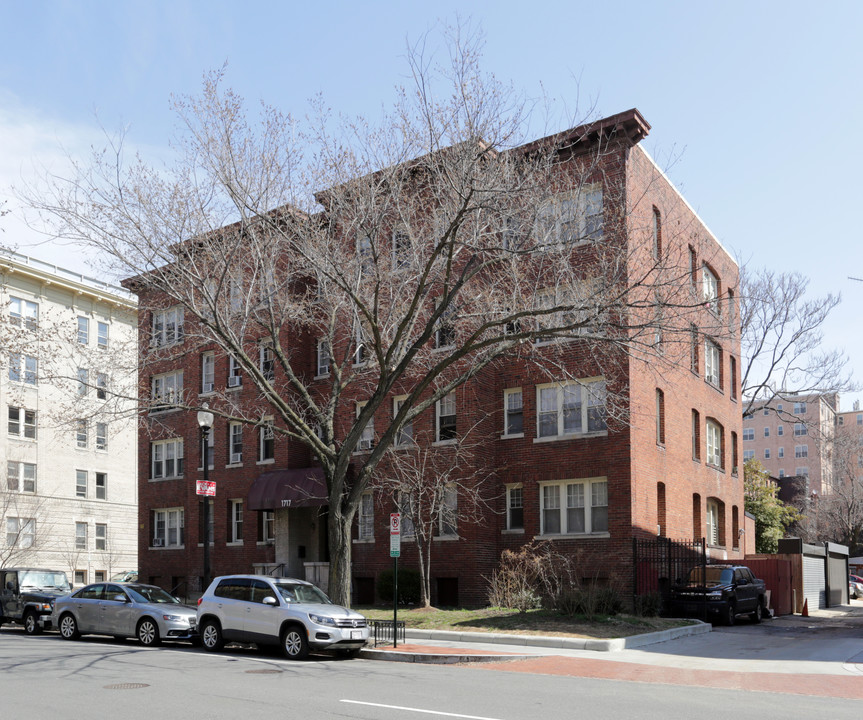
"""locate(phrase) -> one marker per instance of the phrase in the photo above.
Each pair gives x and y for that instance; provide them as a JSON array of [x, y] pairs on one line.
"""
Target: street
[[46, 677]]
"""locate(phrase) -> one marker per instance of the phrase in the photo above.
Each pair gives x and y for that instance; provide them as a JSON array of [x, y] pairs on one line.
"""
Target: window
[[657, 234], [23, 312], [101, 386], [766, 453], [766, 412], [81, 483], [693, 280], [693, 349], [712, 363], [733, 368], [802, 471], [445, 412], [208, 372], [101, 536], [365, 252], [22, 423], [734, 453], [405, 434], [799, 429], [570, 218], [801, 451], [235, 295], [749, 433], [21, 476], [766, 432], [99, 575], [83, 381], [660, 417], [101, 436], [267, 361], [101, 486], [235, 374], [167, 458], [235, 442], [80, 577], [779, 407], [83, 330], [367, 438], [81, 434], [81, 535], [514, 507], [323, 359], [513, 413], [168, 527], [696, 435], [366, 530], [20, 532], [709, 289], [574, 507], [361, 350], [715, 454], [266, 442], [236, 521], [167, 327], [266, 526], [102, 335], [448, 525], [571, 409], [780, 430], [444, 334], [712, 522], [781, 473], [732, 310], [781, 452], [748, 455], [800, 408], [401, 249], [30, 368], [860, 419], [167, 390]]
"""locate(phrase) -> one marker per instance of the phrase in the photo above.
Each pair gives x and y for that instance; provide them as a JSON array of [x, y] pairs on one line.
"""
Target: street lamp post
[[205, 422]]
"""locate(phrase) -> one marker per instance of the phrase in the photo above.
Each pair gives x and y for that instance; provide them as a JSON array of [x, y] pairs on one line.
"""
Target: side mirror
[[119, 598], [270, 600]]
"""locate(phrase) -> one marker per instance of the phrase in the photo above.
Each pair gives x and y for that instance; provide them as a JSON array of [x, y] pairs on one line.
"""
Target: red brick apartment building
[[563, 468]]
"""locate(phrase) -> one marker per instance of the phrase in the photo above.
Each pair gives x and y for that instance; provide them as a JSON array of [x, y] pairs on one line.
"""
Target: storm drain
[[263, 672], [126, 686]]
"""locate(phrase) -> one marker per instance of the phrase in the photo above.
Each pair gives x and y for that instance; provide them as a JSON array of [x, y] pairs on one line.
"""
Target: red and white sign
[[395, 523], [395, 534], [206, 487]]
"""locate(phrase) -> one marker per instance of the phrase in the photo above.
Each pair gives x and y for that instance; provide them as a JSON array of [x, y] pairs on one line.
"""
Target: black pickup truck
[[719, 592], [27, 596]]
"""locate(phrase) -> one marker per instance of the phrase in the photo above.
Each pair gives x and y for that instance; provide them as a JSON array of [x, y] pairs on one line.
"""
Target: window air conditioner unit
[[158, 542], [365, 444], [236, 458], [208, 387], [234, 381]]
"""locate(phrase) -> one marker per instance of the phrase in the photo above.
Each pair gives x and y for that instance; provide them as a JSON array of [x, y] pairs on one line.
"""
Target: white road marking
[[419, 710]]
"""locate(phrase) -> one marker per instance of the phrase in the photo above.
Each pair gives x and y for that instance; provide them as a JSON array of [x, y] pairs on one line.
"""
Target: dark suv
[[719, 592], [27, 596]]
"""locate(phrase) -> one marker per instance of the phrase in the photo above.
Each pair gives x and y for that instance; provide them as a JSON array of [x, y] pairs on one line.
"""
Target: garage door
[[814, 582]]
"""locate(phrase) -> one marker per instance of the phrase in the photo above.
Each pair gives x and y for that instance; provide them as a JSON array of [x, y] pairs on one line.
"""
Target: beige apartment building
[[68, 439]]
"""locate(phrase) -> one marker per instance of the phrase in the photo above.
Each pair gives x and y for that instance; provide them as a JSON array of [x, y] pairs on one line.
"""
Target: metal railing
[[382, 632]]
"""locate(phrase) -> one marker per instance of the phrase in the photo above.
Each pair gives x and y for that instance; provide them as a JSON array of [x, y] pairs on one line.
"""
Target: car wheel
[[758, 613], [295, 646], [31, 623], [730, 613], [69, 627], [211, 636], [148, 633]]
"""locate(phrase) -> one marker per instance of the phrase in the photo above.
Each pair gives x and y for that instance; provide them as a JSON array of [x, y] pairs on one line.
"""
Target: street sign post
[[395, 551]]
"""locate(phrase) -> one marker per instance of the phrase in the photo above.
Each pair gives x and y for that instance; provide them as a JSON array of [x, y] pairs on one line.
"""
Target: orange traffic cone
[[805, 612]]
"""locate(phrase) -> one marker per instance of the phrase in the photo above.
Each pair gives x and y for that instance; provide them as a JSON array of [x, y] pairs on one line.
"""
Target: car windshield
[[45, 579], [294, 592], [714, 575], [143, 593]]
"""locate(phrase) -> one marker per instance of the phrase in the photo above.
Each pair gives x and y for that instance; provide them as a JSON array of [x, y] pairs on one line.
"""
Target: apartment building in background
[[563, 471], [69, 498]]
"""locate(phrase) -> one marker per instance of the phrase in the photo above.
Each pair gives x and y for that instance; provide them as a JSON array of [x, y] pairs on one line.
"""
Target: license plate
[[356, 634]]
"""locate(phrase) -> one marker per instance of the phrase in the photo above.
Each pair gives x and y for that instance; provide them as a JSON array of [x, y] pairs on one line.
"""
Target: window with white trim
[[23, 368], [81, 433], [101, 536], [781, 473], [712, 363], [749, 433], [167, 390], [570, 218], [83, 330], [709, 289], [20, 532], [102, 335], [514, 507], [167, 327], [445, 418], [401, 249], [101, 436], [168, 527], [266, 526], [235, 443], [781, 452], [235, 373], [712, 522], [267, 361], [23, 313], [766, 453], [715, 454], [366, 529], [444, 334], [574, 507], [22, 423], [799, 429], [573, 408], [81, 483], [361, 348], [208, 372], [748, 455], [101, 386], [513, 413], [236, 521], [266, 442], [367, 438], [448, 519], [802, 471], [323, 358], [20, 476], [167, 458], [83, 381], [801, 451], [101, 486], [80, 536], [780, 430], [766, 431], [365, 252], [800, 408], [405, 434]]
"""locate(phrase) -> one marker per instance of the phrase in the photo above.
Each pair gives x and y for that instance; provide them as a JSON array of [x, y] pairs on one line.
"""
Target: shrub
[[649, 605], [409, 587]]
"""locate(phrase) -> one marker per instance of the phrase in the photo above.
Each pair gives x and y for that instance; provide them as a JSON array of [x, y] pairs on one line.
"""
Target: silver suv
[[265, 610]]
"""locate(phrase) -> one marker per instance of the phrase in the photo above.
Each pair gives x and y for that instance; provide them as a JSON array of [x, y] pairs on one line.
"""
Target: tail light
[[199, 600]]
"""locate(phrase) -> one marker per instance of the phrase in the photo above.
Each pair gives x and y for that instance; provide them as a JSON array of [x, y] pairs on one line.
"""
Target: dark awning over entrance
[[277, 489]]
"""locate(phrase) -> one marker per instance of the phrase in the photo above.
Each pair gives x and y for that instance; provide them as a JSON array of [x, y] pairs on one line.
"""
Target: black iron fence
[[658, 564], [383, 633]]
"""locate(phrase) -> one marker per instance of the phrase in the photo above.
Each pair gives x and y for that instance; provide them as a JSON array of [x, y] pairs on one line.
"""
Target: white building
[[68, 438]]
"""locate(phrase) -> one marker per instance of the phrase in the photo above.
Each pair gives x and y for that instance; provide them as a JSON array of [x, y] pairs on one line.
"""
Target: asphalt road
[[46, 677]]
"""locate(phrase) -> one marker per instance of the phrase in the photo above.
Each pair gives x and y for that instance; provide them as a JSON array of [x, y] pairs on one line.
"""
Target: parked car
[[720, 591], [290, 613], [855, 586], [27, 596], [125, 576], [125, 610]]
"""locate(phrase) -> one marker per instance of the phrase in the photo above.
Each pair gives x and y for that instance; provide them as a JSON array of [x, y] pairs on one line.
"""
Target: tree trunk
[[340, 557]]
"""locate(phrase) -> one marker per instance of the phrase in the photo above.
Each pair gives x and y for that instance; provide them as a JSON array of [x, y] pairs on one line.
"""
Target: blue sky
[[760, 102]]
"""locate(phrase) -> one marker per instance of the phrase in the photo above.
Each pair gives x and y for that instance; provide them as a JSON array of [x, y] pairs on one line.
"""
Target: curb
[[434, 658]]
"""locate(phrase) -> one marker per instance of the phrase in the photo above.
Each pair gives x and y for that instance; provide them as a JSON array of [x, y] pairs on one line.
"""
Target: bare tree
[[26, 530], [409, 255], [783, 339], [837, 514]]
